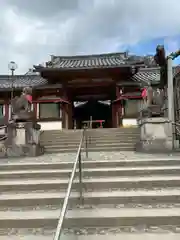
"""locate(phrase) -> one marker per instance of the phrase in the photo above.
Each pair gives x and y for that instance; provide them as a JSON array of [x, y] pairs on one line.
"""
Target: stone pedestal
[[23, 139], [155, 135]]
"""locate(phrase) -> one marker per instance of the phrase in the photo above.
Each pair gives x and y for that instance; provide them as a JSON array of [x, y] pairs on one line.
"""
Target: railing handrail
[[65, 203], [4, 126]]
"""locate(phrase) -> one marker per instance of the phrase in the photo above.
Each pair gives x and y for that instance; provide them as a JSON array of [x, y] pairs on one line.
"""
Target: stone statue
[[147, 95], [155, 96], [21, 106], [153, 101], [23, 132]]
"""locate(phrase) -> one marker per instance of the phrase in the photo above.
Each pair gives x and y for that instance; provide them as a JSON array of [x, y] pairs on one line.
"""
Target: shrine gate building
[[70, 91]]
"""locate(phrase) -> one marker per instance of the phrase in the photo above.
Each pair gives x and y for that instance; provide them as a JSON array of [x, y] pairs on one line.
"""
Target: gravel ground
[[90, 231], [129, 155], [52, 158], [58, 157], [124, 229], [88, 206], [158, 189]]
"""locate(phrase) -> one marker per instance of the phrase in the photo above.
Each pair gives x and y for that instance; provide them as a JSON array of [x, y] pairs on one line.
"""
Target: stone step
[[69, 133], [90, 145], [118, 197], [104, 217], [55, 144], [101, 172], [91, 164], [95, 149], [110, 236], [64, 145], [98, 140], [95, 130], [91, 183], [108, 135], [102, 141], [61, 150]]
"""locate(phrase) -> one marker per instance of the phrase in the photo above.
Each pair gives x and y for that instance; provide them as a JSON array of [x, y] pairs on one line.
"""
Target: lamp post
[[12, 66]]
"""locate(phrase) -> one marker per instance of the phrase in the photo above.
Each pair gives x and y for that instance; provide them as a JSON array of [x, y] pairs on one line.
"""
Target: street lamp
[[12, 66]]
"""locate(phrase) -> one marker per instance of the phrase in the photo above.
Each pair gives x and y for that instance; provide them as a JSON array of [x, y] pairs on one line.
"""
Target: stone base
[[22, 141], [24, 151], [2, 149], [156, 146], [155, 136]]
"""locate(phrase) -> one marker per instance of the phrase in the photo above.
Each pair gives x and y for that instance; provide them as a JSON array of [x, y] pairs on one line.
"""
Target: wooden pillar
[[65, 109], [118, 105], [63, 115], [70, 116], [118, 94], [6, 114], [35, 109], [67, 112], [65, 120], [113, 107], [117, 110]]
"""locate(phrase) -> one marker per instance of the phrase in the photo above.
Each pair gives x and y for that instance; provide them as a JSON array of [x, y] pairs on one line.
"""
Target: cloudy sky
[[32, 30]]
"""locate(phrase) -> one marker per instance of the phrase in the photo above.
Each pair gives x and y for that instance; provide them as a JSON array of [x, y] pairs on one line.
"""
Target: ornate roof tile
[[151, 75], [108, 60], [88, 61], [21, 81]]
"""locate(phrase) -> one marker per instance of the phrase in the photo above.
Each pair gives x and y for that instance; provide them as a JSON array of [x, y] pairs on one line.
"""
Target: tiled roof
[[147, 75], [108, 60], [21, 81], [151, 75]]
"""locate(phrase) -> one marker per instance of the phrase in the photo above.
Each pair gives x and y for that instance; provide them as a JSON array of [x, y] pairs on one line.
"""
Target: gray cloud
[[44, 8], [32, 30]]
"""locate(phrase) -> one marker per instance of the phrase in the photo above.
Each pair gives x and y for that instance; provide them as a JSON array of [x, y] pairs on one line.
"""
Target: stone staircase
[[109, 139], [123, 199]]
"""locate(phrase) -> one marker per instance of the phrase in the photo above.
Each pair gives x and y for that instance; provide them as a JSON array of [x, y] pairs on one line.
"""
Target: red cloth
[[144, 93], [29, 98]]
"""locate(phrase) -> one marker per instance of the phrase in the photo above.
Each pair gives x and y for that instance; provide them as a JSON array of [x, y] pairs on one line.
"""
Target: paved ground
[[57, 157]]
